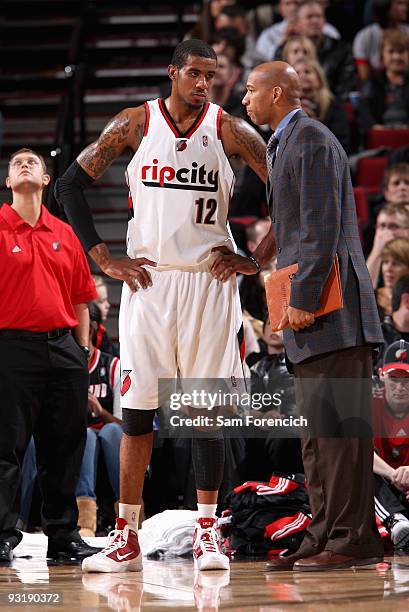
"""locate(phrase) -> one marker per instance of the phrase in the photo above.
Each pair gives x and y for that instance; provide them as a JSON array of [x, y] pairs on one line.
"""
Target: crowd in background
[[355, 87]]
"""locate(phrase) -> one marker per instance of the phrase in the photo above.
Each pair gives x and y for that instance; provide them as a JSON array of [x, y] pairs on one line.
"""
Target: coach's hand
[[226, 263], [297, 319], [131, 271]]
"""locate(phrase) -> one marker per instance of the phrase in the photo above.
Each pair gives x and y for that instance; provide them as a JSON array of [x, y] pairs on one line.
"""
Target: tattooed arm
[[239, 138], [125, 131]]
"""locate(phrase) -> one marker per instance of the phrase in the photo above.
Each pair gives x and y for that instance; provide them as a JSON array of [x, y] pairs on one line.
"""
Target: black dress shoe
[[6, 547], [72, 548], [285, 563]]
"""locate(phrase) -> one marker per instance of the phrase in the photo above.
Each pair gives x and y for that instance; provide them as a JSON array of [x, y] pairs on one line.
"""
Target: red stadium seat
[[361, 205], [349, 111], [393, 138], [370, 173]]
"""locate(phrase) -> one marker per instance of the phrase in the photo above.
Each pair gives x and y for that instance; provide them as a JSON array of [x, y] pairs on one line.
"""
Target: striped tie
[[272, 151]]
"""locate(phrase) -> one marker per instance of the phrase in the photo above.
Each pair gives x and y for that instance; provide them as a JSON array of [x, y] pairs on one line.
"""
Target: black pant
[[43, 392], [339, 469]]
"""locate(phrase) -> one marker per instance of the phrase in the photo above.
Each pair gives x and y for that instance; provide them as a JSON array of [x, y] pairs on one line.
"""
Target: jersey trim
[[147, 118], [218, 123], [130, 206], [171, 123], [99, 335], [114, 363], [94, 361]]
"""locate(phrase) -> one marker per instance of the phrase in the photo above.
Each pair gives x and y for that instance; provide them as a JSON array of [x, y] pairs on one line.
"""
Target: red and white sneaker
[[121, 554], [207, 553]]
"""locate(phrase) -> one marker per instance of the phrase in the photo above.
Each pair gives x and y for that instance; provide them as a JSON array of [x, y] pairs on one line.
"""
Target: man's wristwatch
[[86, 351], [255, 262]]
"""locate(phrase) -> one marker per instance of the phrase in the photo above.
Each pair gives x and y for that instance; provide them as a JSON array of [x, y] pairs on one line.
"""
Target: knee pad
[[137, 422]]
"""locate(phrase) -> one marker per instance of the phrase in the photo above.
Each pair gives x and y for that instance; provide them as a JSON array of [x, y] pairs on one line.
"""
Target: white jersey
[[180, 188]]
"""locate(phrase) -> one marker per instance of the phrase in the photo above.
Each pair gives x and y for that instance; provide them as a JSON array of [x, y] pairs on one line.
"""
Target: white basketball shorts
[[187, 325]]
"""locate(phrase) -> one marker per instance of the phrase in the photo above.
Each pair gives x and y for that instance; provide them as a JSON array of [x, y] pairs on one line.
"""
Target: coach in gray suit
[[313, 219]]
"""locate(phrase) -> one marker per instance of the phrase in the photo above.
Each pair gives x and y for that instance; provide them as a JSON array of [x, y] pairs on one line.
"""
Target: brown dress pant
[[333, 391]]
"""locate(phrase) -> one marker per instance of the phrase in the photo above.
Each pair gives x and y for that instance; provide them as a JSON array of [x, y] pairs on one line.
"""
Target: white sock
[[207, 510], [130, 513]]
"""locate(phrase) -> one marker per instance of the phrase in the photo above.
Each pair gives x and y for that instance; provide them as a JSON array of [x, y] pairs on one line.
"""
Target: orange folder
[[278, 291]]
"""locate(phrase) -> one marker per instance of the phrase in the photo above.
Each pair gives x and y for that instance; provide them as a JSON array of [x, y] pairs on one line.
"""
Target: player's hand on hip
[[226, 264], [299, 319], [131, 271]]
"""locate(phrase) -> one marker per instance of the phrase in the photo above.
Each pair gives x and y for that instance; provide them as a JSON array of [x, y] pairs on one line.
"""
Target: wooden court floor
[[174, 585]]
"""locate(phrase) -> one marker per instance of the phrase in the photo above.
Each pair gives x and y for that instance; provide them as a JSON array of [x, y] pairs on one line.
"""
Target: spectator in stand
[[396, 327], [384, 100], [104, 431], [319, 103], [278, 33], [395, 188], [44, 286], [102, 339], [396, 181], [228, 41], [335, 56], [387, 14], [395, 263], [392, 222], [235, 18], [391, 431], [102, 301], [232, 16], [298, 48], [222, 92], [204, 28]]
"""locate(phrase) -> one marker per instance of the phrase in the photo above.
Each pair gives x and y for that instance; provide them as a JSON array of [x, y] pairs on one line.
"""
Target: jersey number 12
[[210, 207]]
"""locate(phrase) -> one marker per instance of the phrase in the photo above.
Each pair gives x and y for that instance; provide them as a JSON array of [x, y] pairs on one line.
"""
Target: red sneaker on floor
[[121, 554]]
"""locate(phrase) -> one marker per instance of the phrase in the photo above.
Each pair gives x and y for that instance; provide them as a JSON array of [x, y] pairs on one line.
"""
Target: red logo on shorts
[[126, 381]]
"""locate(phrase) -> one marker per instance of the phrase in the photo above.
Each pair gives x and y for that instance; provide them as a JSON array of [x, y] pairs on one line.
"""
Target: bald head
[[273, 90], [281, 74]]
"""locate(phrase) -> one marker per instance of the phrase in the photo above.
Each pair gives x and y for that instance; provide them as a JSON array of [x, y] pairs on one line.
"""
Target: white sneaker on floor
[[399, 530], [121, 554], [207, 553]]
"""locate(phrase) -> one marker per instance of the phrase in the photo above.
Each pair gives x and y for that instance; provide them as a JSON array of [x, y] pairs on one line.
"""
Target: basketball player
[[177, 313]]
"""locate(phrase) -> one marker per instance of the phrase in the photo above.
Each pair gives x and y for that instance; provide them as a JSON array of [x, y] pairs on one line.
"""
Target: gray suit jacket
[[313, 213]]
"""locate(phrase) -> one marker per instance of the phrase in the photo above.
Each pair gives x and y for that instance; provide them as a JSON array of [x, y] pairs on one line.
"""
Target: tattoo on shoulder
[[96, 158], [245, 137], [139, 130]]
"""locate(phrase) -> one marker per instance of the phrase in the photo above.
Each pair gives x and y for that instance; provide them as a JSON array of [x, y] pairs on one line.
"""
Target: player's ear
[[172, 72]]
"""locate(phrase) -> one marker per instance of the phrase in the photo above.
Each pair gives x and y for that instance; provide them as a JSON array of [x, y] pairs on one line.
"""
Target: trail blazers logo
[[194, 178], [125, 381], [181, 144]]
